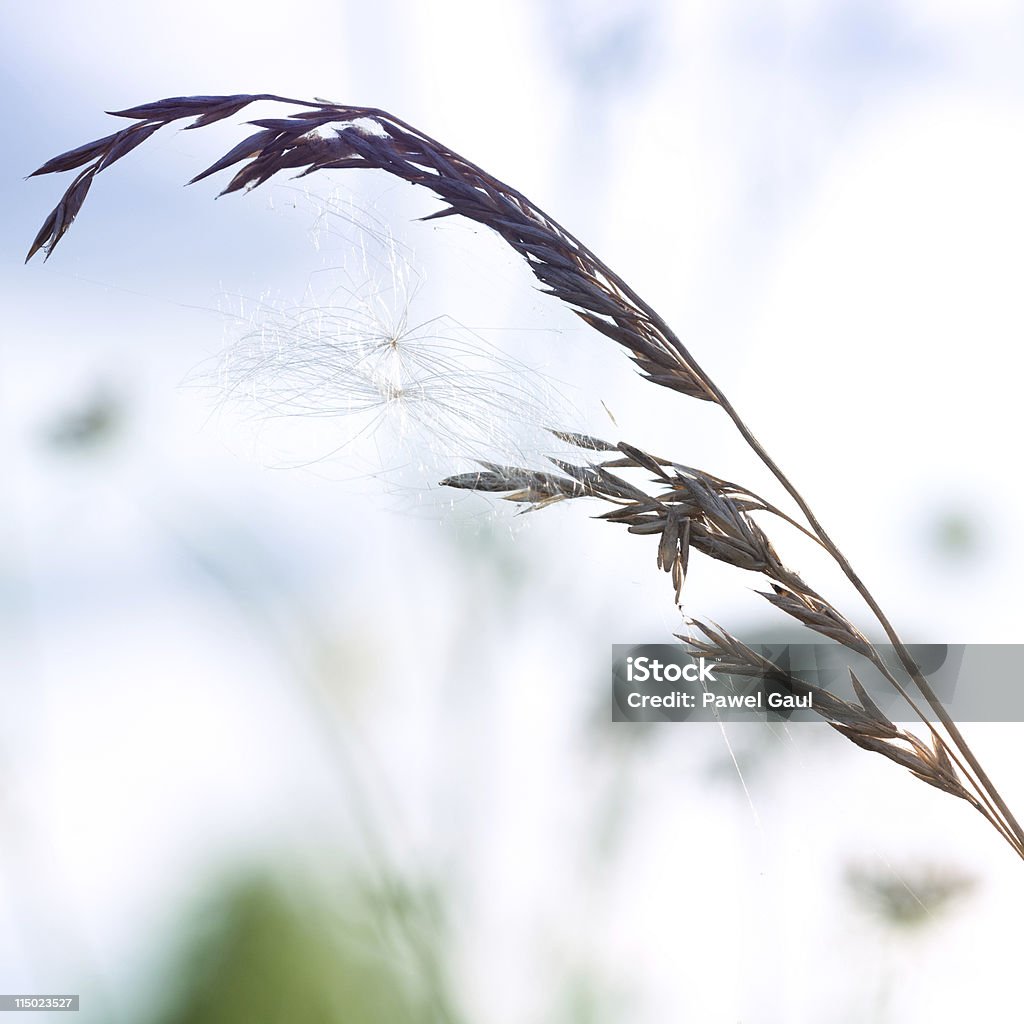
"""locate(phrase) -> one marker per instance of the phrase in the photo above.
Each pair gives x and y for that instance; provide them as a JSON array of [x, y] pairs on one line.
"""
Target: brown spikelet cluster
[[327, 136], [685, 509], [864, 722]]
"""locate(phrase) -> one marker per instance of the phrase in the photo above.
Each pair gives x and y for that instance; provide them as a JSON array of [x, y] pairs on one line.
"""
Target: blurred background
[[290, 733]]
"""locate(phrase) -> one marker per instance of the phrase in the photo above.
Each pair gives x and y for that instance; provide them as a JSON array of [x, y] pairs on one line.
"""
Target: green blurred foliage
[[262, 952], [955, 536], [95, 422]]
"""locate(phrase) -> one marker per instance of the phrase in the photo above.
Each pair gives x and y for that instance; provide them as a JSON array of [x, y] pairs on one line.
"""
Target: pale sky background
[[204, 654]]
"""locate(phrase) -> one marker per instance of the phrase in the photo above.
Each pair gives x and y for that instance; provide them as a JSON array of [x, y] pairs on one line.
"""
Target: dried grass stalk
[[689, 509]]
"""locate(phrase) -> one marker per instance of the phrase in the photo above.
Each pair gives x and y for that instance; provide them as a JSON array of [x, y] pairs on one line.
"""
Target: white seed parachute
[[365, 373]]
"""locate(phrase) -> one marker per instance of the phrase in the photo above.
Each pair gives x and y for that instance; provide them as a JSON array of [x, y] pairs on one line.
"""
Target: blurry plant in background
[[274, 950], [909, 899], [906, 905], [90, 426]]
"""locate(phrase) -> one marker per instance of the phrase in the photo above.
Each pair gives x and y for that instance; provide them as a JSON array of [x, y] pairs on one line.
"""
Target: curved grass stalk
[[699, 510]]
